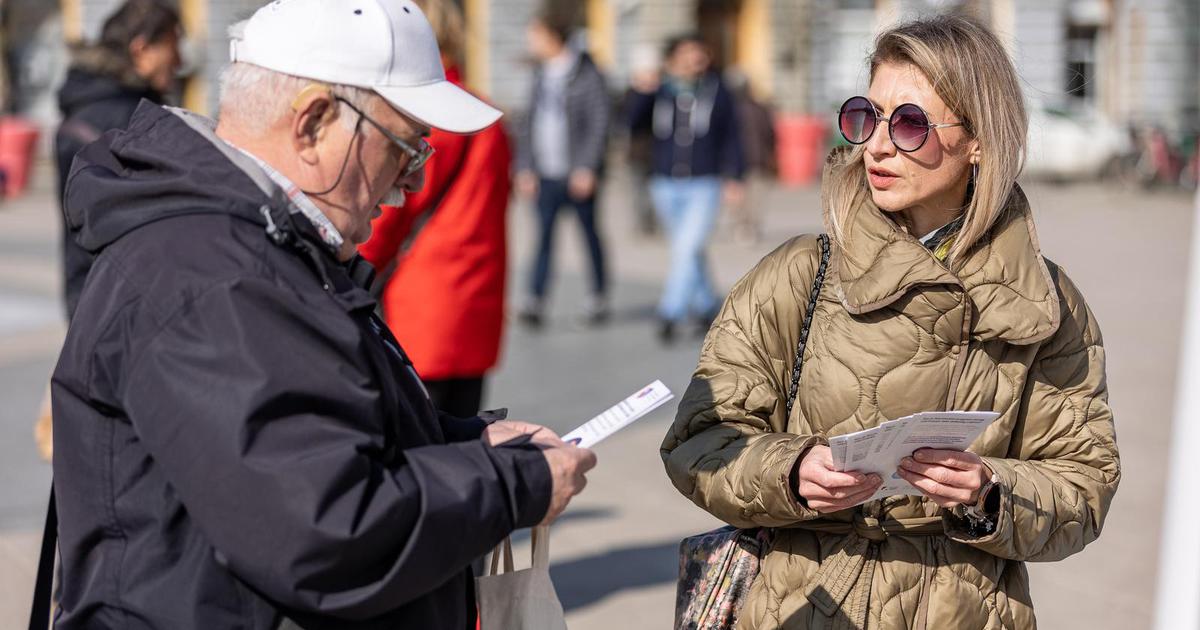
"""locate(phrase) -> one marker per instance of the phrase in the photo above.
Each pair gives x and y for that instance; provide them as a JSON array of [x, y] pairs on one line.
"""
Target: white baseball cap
[[383, 45]]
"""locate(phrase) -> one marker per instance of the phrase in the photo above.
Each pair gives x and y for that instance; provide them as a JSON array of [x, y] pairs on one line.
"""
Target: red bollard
[[800, 148], [18, 140]]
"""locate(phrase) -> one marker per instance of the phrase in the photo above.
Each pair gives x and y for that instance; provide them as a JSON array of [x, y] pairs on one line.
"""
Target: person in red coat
[[444, 300]]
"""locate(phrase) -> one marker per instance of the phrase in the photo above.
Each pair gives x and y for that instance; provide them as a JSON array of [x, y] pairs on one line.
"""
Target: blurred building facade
[[1134, 61]]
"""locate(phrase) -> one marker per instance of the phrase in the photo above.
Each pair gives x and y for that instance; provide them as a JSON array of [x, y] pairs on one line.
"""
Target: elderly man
[[240, 440]]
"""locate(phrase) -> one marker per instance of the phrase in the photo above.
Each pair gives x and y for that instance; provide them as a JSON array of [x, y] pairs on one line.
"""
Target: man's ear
[[315, 110]]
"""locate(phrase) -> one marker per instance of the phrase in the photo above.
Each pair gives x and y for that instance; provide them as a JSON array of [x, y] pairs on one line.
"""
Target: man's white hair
[[253, 98]]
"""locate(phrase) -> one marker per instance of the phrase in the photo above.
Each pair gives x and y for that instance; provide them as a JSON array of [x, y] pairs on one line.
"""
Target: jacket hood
[[168, 162], [1005, 275], [97, 75]]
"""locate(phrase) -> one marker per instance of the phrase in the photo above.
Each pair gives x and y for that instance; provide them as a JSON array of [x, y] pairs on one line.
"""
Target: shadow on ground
[[586, 580]]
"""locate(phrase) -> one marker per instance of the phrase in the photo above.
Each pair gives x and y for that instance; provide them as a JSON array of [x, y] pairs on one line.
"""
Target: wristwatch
[[979, 516]]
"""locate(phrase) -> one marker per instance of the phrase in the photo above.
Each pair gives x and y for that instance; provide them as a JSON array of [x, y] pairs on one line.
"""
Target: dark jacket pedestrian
[[695, 128], [239, 437], [103, 88]]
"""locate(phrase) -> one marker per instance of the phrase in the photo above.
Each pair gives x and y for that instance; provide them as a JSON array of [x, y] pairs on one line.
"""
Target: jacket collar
[[1005, 275]]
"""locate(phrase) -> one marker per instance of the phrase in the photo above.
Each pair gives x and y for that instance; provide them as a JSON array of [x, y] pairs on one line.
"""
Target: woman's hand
[[827, 490], [948, 478]]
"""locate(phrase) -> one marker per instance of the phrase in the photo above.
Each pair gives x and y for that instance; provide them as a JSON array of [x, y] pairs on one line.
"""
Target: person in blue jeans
[[560, 156], [696, 159]]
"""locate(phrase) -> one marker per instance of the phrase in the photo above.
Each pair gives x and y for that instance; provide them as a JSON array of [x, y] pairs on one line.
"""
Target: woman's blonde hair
[[970, 70], [449, 26]]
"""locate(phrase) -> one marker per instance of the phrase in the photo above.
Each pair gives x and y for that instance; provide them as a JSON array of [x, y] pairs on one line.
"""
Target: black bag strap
[[39, 613], [798, 363]]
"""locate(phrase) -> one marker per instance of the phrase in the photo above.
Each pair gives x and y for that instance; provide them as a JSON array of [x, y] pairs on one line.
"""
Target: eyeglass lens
[[908, 125]]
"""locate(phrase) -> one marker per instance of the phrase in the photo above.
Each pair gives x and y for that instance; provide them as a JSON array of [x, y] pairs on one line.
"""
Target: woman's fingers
[[944, 475], [961, 460], [942, 494], [815, 491], [826, 506]]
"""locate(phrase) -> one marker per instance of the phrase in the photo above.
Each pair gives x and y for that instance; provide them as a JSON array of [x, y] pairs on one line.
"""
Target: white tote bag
[[519, 600]]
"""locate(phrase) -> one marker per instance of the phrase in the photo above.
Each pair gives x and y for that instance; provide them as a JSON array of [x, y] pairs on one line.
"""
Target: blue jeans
[[552, 196], [687, 209]]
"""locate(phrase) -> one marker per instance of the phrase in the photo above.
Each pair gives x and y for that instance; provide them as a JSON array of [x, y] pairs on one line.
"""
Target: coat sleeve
[[729, 450], [266, 428], [1062, 468]]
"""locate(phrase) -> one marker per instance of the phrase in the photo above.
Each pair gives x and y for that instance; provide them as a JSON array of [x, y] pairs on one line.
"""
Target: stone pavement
[[614, 552]]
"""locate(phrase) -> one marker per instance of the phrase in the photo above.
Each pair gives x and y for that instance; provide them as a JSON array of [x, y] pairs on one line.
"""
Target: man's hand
[[527, 184], [500, 432], [581, 184], [827, 490], [948, 478], [568, 465]]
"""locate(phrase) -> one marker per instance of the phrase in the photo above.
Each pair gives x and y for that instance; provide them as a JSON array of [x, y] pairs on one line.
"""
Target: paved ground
[[614, 552]]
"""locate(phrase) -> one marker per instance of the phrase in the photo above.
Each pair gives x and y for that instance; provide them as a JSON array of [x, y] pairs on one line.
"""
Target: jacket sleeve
[[266, 427], [729, 450], [733, 155], [1062, 468], [639, 110], [525, 129], [593, 137]]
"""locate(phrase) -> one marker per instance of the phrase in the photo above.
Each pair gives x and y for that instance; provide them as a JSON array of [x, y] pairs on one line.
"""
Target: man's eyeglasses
[[417, 157], [908, 125]]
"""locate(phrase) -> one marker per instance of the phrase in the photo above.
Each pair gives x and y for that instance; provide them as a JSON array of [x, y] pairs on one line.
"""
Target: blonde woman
[[936, 297]]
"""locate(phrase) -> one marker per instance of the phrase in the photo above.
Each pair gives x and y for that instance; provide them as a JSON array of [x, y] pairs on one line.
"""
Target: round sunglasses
[[908, 125]]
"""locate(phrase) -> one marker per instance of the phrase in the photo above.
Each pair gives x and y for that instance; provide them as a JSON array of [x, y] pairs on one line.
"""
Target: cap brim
[[442, 105]]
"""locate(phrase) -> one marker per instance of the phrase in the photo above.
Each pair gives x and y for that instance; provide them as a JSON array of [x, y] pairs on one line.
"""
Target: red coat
[[445, 301]]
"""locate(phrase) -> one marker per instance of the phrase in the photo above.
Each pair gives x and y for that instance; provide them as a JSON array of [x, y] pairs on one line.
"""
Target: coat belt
[[843, 582]]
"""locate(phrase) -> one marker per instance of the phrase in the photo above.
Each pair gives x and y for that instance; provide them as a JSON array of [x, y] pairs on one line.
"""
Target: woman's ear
[[974, 153]]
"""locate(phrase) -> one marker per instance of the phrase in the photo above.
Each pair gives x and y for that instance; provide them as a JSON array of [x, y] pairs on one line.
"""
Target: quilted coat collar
[[1004, 275]]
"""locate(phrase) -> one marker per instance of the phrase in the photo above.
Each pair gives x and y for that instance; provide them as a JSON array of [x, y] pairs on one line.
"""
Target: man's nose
[[413, 182]]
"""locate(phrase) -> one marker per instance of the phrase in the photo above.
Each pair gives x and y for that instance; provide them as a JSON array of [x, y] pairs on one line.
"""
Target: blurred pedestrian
[[697, 160], [756, 125], [135, 58], [645, 68], [934, 295], [442, 253], [560, 157], [242, 440]]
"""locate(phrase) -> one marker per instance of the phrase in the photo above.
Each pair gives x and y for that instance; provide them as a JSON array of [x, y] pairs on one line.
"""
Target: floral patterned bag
[[717, 568], [715, 572]]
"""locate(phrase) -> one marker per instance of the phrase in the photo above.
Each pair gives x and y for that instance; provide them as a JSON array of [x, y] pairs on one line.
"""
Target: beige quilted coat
[[894, 332]]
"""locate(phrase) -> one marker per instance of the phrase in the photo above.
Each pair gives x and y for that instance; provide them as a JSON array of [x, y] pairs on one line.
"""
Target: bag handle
[[798, 363], [540, 552], [39, 611]]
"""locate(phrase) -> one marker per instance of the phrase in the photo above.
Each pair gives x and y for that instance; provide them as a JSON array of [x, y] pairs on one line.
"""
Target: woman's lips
[[881, 179]]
